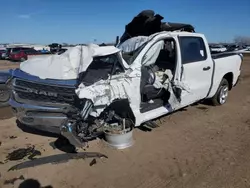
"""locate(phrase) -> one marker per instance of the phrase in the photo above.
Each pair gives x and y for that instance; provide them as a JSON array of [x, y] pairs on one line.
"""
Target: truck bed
[[224, 54]]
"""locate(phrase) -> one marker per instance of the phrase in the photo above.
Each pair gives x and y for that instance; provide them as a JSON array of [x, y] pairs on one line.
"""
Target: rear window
[[192, 49], [15, 50], [30, 51]]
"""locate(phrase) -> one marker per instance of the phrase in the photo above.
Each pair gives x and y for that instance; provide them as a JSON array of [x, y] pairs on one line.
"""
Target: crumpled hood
[[67, 65]]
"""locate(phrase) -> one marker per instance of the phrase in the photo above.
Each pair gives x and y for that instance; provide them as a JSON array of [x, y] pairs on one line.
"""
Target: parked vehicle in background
[[55, 48], [217, 48], [43, 51], [21, 54], [11, 50], [61, 51], [233, 47]]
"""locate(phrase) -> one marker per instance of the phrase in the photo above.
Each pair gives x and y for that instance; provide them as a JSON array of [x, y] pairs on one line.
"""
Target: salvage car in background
[[21, 54], [217, 48], [13, 50], [146, 76], [4, 91]]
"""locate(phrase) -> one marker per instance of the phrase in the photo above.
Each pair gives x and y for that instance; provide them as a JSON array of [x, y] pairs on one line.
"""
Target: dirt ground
[[5, 65], [200, 146]]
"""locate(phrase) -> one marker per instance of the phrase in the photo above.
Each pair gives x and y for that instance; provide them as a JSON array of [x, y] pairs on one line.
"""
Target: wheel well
[[229, 78], [121, 108]]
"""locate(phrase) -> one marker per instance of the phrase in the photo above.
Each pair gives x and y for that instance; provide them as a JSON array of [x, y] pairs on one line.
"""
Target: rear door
[[197, 67]]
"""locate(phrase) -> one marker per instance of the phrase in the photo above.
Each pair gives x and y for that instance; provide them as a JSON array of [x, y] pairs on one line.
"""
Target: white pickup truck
[[141, 79]]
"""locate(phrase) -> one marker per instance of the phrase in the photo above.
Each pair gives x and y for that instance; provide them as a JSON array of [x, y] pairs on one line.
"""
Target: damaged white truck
[[77, 93]]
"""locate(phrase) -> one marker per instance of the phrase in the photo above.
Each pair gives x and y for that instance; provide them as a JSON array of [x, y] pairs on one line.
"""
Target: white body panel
[[223, 66]]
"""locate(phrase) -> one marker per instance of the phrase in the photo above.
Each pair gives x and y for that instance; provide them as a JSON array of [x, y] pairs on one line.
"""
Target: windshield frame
[[87, 77], [135, 53]]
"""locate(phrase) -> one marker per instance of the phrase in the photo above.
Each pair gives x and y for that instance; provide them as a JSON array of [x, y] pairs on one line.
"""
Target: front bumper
[[48, 119]]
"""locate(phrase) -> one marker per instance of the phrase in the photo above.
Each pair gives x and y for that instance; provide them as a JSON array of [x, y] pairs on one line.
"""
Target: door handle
[[206, 68]]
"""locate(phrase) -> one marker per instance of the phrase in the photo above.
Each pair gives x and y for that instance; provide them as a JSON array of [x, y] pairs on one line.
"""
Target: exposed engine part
[[79, 132], [86, 109], [68, 130], [116, 125], [81, 127], [112, 116]]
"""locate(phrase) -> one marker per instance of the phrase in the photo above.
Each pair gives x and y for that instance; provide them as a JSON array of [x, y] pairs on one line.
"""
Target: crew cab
[[141, 79]]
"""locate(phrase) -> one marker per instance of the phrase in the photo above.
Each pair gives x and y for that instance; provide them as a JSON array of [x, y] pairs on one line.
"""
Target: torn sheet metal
[[68, 65], [103, 92]]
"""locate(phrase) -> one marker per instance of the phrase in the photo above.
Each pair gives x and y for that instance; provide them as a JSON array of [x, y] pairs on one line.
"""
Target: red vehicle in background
[[21, 53]]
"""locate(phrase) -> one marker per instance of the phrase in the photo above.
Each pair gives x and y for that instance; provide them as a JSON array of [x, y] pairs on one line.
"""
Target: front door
[[197, 69]]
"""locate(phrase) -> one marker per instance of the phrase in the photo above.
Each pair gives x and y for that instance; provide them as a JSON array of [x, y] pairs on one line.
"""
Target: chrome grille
[[25, 90]]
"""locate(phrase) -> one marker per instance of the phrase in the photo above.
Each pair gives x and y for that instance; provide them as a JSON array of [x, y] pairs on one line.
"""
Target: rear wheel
[[221, 95]]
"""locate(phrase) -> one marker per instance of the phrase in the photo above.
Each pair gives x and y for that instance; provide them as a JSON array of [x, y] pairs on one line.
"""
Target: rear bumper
[[42, 118]]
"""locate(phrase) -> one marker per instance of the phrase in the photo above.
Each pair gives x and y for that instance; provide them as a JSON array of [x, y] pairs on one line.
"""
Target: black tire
[[217, 99], [4, 95], [22, 59]]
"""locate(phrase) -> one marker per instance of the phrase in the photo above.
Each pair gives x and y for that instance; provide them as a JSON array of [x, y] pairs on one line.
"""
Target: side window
[[30, 51], [27, 52], [192, 49], [15, 50], [109, 63]]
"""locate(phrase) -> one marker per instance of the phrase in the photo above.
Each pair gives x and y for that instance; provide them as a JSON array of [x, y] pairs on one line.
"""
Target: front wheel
[[221, 95], [4, 95]]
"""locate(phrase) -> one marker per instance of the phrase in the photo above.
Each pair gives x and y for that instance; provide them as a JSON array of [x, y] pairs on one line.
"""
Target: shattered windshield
[[129, 57], [100, 69]]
